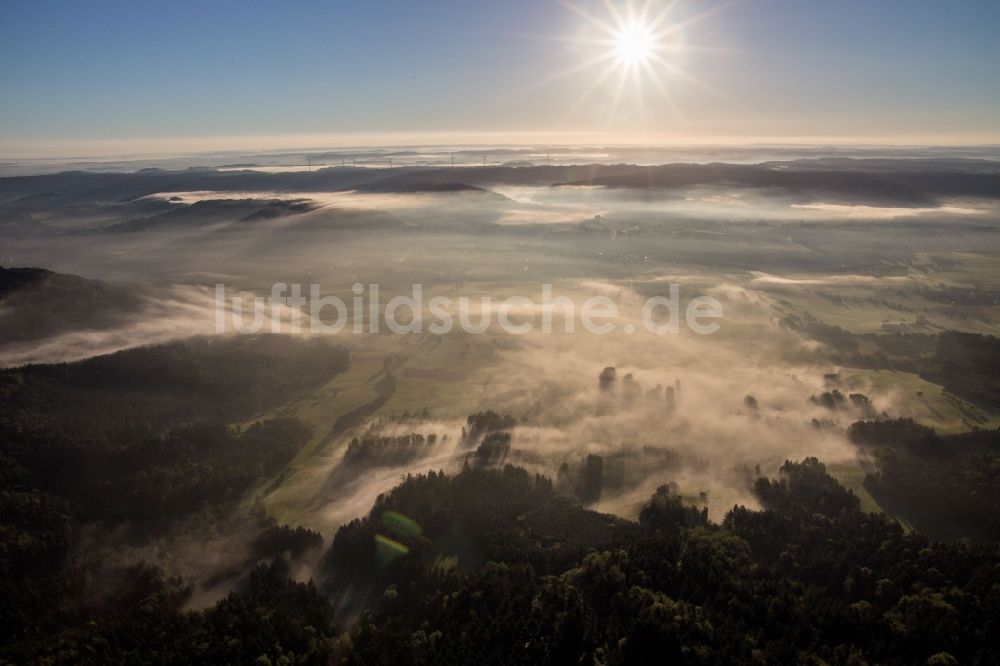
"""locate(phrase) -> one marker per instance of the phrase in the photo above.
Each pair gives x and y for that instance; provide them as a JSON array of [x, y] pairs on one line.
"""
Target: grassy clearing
[[960, 268], [906, 394], [852, 476], [437, 373]]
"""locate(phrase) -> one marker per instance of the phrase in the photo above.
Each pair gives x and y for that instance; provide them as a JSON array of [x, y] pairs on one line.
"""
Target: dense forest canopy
[[494, 564]]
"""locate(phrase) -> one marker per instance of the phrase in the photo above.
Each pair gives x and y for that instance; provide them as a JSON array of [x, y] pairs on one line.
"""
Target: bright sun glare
[[634, 44], [631, 47]]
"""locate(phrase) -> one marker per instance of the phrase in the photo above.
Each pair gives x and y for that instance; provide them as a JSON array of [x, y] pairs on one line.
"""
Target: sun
[[634, 44], [629, 49]]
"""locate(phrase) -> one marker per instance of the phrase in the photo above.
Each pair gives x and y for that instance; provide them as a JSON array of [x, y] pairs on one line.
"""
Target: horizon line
[[118, 148]]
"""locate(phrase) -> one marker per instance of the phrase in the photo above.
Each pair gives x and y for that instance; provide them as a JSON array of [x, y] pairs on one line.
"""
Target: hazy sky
[[87, 76]]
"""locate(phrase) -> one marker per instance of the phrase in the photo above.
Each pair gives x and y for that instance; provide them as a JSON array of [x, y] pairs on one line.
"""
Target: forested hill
[[492, 566], [808, 579], [142, 434], [37, 303], [128, 451], [111, 400]]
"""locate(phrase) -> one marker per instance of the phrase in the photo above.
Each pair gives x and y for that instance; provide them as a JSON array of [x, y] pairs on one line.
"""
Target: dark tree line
[[389, 450]]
